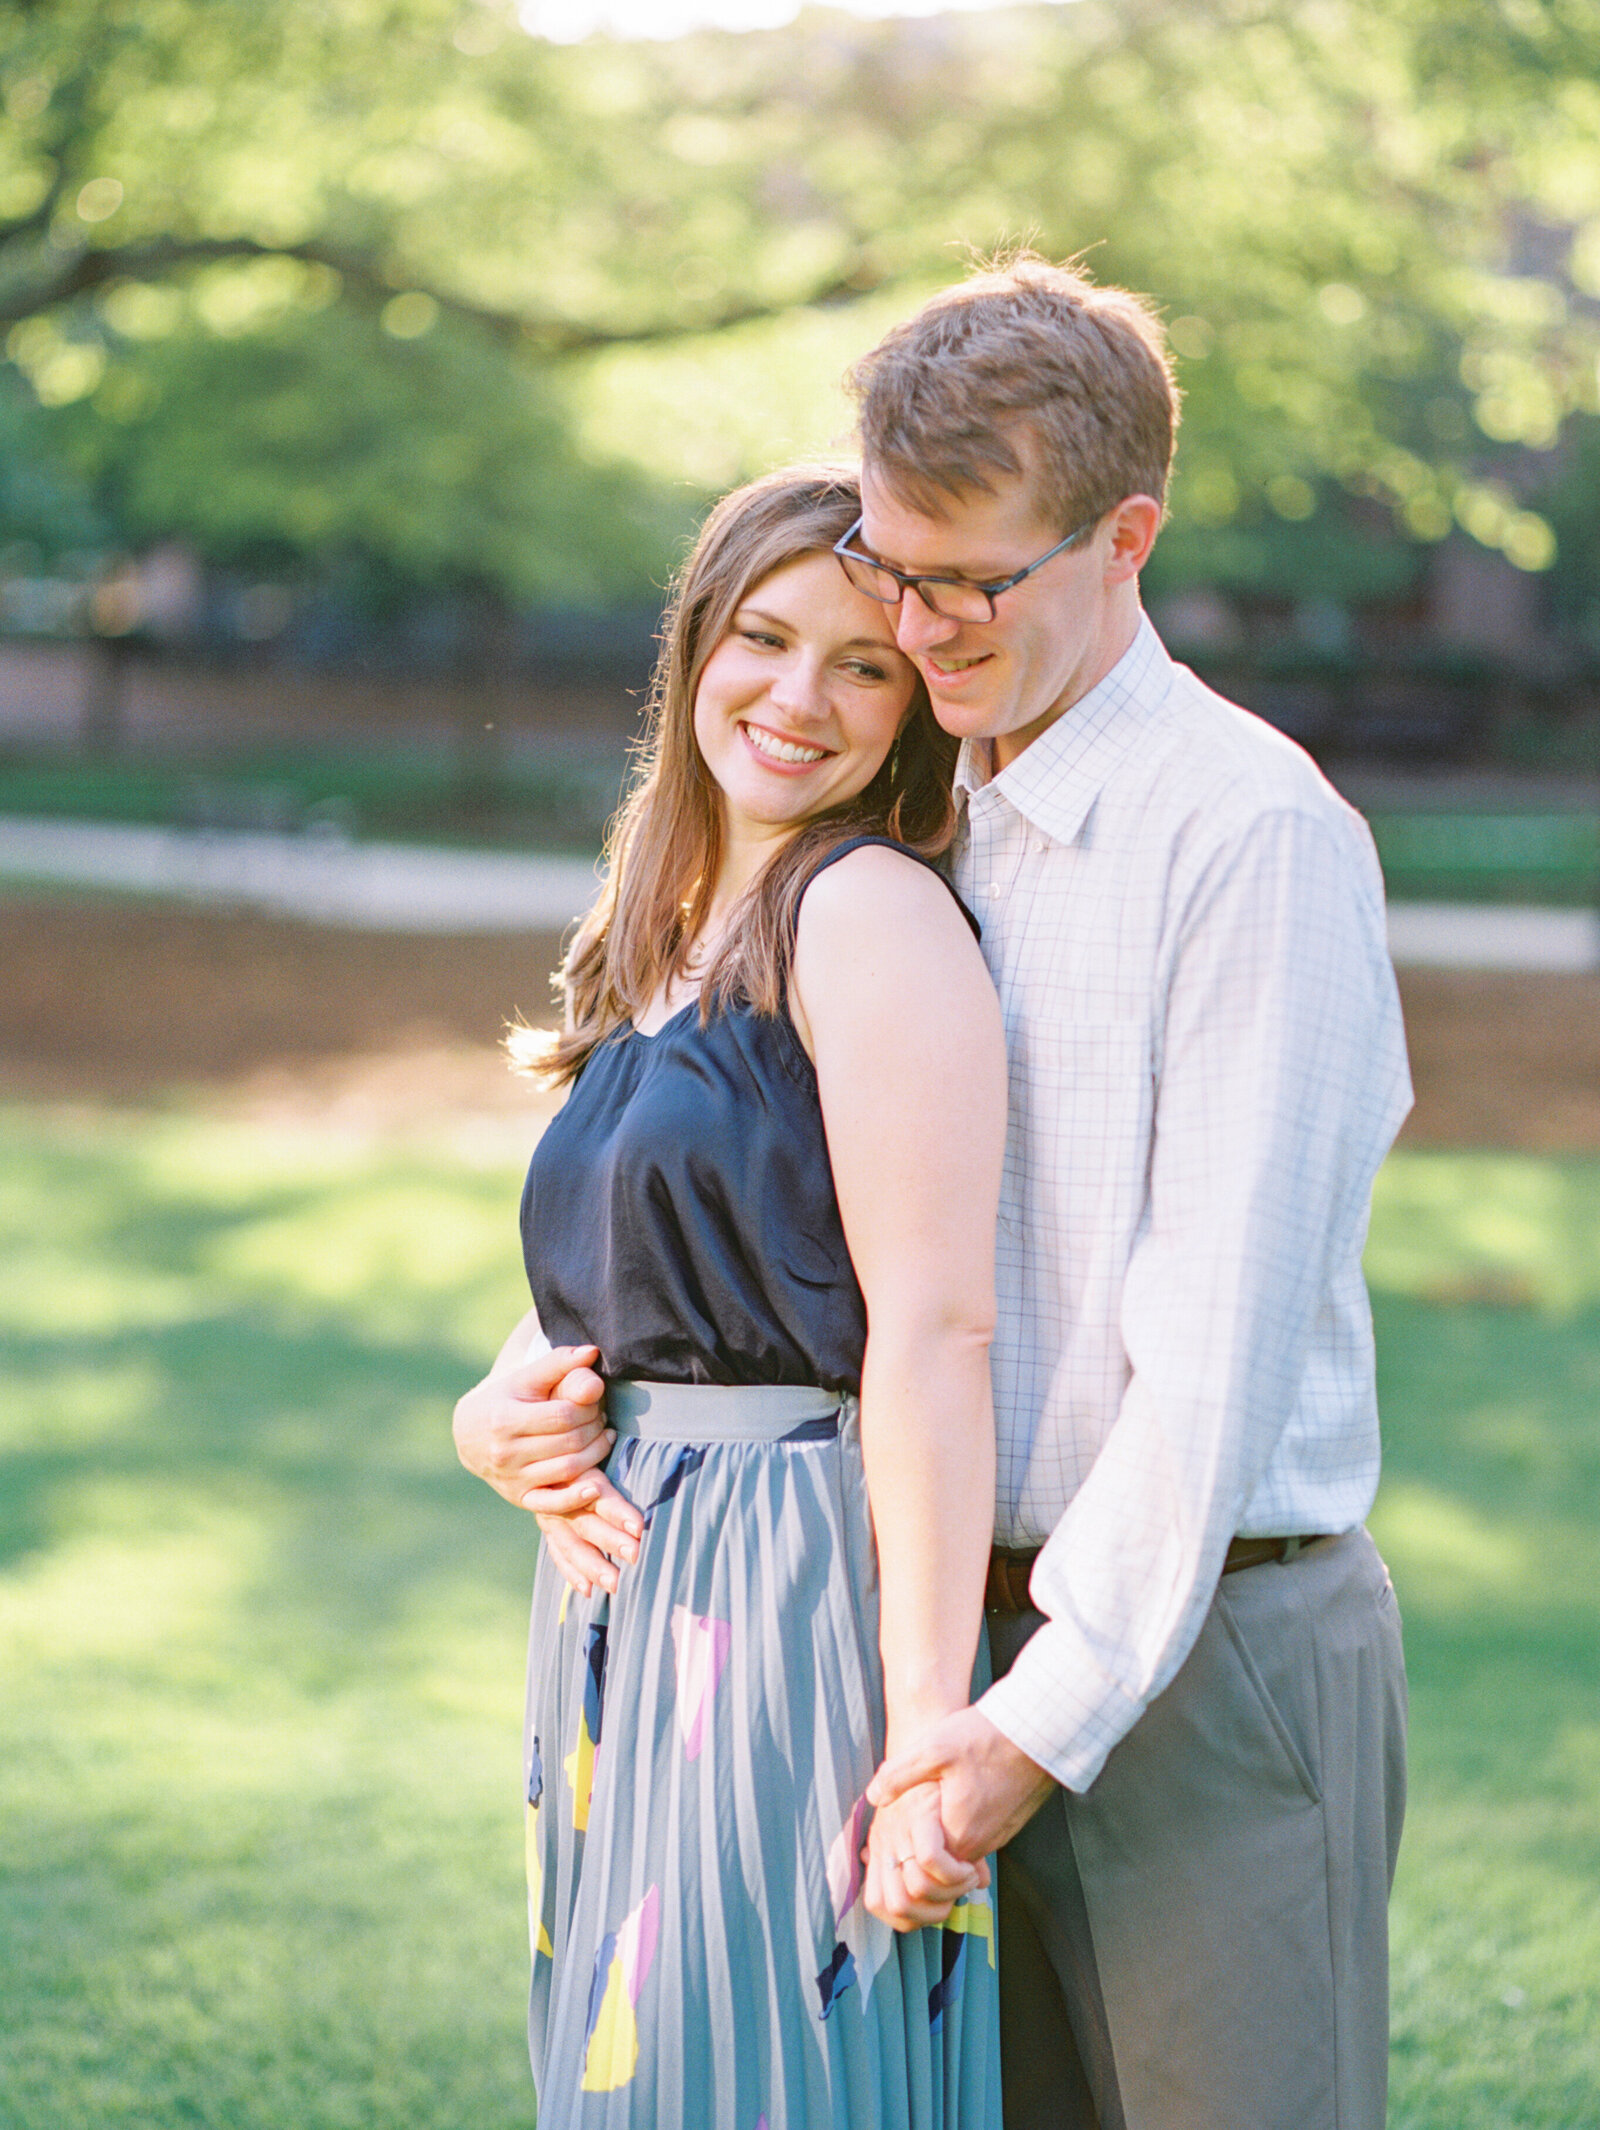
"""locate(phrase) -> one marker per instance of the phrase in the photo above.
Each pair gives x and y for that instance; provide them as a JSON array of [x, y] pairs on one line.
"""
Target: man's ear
[[1134, 525]]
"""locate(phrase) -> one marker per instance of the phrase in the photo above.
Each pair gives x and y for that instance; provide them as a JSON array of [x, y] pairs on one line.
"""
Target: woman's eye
[[863, 669], [762, 637]]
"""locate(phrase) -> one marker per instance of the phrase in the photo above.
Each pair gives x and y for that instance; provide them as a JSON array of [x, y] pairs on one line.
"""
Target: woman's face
[[799, 703]]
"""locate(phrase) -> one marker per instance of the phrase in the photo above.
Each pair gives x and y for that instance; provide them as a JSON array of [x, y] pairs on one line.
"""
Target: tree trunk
[[101, 732], [484, 693]]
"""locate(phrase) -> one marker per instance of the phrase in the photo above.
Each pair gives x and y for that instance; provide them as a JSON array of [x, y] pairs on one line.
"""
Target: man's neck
[[1113, 646]]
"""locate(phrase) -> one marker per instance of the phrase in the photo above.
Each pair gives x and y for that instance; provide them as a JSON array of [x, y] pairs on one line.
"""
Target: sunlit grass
[[262, 1642], [1486, 1279], [1496, 1228]]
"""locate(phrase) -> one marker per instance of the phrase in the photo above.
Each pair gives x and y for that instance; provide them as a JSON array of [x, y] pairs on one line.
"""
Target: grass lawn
[[1486, 1288], [262, 1642]]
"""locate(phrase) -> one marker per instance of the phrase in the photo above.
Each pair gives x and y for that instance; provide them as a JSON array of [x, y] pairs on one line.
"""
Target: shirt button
[[993, 888]]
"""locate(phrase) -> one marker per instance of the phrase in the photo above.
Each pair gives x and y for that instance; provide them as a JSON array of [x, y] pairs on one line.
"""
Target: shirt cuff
[[1058, 1706]]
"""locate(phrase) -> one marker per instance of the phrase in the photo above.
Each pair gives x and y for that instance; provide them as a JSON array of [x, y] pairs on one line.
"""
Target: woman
[[770, 1202]]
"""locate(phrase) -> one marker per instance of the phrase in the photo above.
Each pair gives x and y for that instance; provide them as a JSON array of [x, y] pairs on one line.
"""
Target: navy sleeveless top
[[679, 1211]]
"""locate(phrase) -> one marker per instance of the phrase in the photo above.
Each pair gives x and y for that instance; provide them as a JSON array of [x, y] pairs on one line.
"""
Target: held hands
[[988, 1789], [912, 1878], [535, 1433]]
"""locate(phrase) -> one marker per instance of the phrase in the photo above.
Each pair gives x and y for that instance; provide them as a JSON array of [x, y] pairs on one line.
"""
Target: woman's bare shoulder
[[879, 893]]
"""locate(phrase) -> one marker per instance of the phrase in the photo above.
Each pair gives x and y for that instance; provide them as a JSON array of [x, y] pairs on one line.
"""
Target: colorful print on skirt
[[702, 1955]]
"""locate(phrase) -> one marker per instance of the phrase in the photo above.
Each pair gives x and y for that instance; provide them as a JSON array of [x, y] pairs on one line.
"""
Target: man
[[1194, 1751]]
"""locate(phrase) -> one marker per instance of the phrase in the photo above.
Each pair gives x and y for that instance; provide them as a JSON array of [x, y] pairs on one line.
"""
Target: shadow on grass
[[178, 1327], [1490, 1514]]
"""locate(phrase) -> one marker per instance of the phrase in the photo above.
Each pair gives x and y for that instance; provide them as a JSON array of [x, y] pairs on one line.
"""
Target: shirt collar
[[1056, 779]]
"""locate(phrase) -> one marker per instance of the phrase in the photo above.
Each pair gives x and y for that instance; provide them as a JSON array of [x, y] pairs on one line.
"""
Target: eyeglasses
[[952, 598]]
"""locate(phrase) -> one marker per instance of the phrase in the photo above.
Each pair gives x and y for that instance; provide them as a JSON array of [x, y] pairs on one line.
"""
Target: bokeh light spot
[[99, 199], [409, 315]]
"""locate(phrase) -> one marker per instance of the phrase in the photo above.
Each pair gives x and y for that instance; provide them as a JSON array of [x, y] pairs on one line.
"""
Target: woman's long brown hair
[[665, 844]]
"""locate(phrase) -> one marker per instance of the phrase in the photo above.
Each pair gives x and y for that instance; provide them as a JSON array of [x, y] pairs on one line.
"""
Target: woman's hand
[[535, 1431], [912, 1880]]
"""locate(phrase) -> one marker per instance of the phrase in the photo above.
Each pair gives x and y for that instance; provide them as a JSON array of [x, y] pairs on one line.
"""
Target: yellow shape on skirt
[[613, 2053], [976, 1918]]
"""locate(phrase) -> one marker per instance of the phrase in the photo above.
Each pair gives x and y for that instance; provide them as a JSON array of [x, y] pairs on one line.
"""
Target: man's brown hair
[[1022, 352]]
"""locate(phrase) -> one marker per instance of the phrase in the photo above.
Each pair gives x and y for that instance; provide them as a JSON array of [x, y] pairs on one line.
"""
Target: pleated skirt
[[697, 1749]]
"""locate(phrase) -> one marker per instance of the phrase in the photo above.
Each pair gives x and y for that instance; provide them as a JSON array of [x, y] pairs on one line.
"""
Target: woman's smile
[[782, 753]]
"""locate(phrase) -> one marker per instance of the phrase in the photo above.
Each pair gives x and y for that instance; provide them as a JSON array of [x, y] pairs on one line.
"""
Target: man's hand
[[912, 1878], [535, 1432], [988, 1788]]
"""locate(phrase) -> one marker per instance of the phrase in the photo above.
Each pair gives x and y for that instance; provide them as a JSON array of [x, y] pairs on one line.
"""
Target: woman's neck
[[745, 852], [743, 856]]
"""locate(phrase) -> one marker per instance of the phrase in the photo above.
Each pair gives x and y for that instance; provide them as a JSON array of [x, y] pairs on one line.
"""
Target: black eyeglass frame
[[909, 582]]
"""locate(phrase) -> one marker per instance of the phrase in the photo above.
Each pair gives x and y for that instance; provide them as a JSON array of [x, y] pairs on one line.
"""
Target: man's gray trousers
[[1200, 1941]]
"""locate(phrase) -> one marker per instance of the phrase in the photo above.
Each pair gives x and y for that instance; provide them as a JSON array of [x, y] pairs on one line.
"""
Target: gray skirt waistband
[[719, 1412]]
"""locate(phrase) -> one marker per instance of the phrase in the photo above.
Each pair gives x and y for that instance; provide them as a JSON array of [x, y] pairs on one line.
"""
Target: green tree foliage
[[398, 275], [223, 223], [273, 423]]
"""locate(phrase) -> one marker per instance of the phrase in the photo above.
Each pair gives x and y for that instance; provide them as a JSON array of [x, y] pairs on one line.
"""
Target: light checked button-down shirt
[[1186, 927]]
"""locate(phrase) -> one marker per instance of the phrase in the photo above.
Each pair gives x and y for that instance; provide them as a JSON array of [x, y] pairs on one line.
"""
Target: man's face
[[1010, 678]]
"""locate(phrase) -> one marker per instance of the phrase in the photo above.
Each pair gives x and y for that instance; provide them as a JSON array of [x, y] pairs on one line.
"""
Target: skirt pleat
[[697, 1751]]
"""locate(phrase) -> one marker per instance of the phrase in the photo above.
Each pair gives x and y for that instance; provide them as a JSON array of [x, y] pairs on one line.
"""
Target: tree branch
[[91, 268], [38, 220]]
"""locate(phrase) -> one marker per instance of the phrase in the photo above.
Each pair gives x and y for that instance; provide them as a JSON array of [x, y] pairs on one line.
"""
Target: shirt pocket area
[[1082, 1101]]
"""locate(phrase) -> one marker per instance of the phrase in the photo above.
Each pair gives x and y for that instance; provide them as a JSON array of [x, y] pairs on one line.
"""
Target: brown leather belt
[[1007, 1587]]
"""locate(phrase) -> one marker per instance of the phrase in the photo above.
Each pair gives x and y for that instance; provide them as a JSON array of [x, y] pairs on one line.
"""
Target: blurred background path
[[323, 878], [383, 887]]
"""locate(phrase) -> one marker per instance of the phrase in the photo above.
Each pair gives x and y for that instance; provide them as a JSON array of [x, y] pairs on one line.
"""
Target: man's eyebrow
[[960, 576]]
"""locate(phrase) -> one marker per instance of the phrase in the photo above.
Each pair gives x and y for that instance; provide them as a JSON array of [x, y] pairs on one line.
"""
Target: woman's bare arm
[[893, 1000]]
